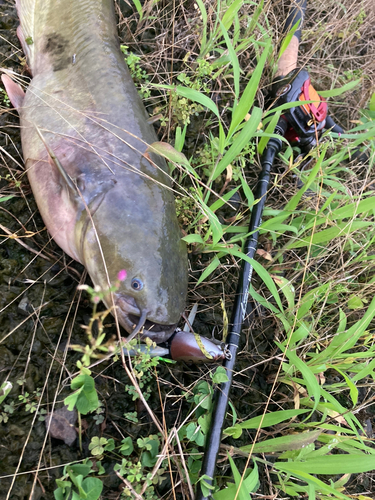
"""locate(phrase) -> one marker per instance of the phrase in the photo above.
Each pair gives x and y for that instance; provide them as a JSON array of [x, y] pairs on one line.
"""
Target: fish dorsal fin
[[15, 92], [67, 179], [26, 10]]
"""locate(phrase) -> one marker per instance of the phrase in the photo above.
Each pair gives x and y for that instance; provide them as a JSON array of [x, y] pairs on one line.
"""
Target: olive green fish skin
[[85, 105]]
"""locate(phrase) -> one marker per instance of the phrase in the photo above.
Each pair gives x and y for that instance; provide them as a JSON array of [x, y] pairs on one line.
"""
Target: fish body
[[105, 199]]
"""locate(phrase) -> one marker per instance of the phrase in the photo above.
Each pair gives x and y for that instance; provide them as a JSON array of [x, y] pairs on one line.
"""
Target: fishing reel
[[306, 121]]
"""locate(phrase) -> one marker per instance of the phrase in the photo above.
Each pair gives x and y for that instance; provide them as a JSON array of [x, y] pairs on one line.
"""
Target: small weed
[[77, 483], [131, 416], [139, 74], [8, 409], [99, 416], [6, 99], [144, 369], [31, 400], [98, 446]]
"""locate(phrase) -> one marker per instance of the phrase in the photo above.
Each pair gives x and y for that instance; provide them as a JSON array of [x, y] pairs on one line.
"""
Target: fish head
[[144, 245]]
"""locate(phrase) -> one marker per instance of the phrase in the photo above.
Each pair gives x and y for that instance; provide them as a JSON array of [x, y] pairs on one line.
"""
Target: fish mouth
[[155, 331], [135, 321]]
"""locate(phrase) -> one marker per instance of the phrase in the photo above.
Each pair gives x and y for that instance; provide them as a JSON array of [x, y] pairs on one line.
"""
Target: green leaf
[[268, 281], [110, 445], [350, 418], [215, 263], [345, 340], [331, 465], [215, 226], [193, 95], [248, 193], [247, 99], [59, 494], [204, 422], [80, 469], [63, 490], [199, 438], [255, 17], [288, 290], [190, 430], [350, 210], [233, 412], [83, 381], [97, 444], [234, 60], [92, 487], [353, 391], [288, 38], [203, 35], [246, 134], [179, 139], [127, 446], [340, 90], [268, 420], [365, 372], [354, 302], [243, 494], [101, 469], [269, 130], [71, 400], [167, 151], [230, 13], [85, 399], [372, 102], [342, 229], [138, 6], [220, 375], [221, 201], [235, 431], [147, 460], [5, 389], [313, 480], [293, 202], [283, 443], [193, 238], [6, 198], [252, 480], [312, 384], [259, 269], [206, 485]]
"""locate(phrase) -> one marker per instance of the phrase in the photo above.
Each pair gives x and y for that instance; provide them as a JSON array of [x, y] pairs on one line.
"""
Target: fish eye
[[136, 284]]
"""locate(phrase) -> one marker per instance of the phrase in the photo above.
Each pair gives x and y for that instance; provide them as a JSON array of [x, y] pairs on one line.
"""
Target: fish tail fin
[[25, 31]]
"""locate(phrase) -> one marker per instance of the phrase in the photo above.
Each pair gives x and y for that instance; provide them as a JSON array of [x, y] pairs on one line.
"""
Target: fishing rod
[[300, 125]]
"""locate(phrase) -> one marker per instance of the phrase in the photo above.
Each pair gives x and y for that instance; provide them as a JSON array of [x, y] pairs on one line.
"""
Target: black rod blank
[[221, 396]]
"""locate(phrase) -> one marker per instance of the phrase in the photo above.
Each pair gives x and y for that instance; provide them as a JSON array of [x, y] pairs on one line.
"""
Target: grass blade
[[246, 134], [193, 95], [341, 90], [332, 464], [235, 63], [247, 99], [312, 384], [284, 443]]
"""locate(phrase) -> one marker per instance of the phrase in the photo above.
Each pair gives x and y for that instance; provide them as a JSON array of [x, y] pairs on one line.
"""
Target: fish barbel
[[105, 198]]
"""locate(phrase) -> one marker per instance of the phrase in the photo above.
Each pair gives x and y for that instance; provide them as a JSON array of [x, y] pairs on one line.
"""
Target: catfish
[[105, 197]]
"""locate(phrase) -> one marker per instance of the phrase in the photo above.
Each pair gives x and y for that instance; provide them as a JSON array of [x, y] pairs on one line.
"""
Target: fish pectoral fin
[[55, 161], [91, 205], [15, 92]]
